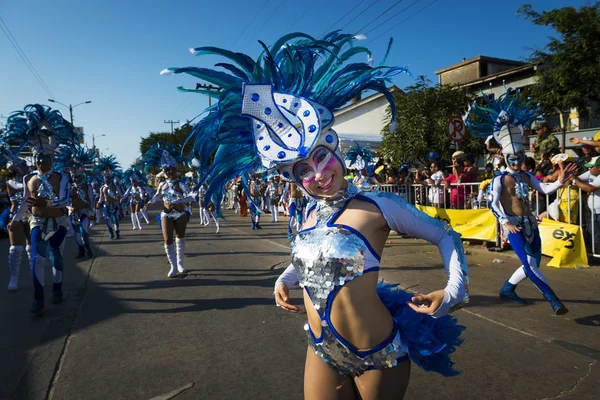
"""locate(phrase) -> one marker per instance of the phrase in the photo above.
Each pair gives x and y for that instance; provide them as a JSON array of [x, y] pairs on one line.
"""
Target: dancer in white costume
[[174, 194], [135, 195], [18, 229]]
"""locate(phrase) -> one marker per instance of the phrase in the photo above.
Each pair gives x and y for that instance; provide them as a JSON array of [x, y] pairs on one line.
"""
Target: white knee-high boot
[[138, 220], [145, 215], [180, 244], [202, 216], [216, 219], [29, 251], [15, 254], [133, 221], [172, 257], [206, 217]]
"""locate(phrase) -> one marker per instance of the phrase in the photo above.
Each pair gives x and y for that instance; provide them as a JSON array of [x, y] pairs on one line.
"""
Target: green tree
[[422, 115], [568, 73]]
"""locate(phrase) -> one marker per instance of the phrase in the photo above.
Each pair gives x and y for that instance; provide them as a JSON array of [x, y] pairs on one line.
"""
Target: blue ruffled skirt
[[428, 341]]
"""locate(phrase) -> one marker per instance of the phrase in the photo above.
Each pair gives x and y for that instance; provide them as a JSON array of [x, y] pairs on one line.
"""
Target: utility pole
[[172, 122], [210, 88]]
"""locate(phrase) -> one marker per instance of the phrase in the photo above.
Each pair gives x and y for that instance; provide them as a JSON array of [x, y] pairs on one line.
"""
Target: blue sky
[[111, 52]]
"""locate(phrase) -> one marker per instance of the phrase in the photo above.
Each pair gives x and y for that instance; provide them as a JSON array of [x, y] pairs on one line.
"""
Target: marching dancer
[[135, 195], [505, 118], [174, 194], [18, 229], [360, 333], [109, 194], [46, 193], [76, 159]]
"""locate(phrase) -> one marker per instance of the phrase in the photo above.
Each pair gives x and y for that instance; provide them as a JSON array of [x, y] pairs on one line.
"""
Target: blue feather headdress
[[279, 107], [162, 155], [40, 127], [360, 157], [76, 159], [106, 166], [504, 118], [134, 174], [7, 155]]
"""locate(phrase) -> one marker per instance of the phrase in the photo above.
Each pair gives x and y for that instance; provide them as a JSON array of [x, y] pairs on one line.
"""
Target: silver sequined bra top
[[325, 257], [328, 255]]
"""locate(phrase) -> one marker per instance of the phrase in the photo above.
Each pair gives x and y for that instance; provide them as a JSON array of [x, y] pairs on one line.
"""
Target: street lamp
[[94, 141], [70, 107]]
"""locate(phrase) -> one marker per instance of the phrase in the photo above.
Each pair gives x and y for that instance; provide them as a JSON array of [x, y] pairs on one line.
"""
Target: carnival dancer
[[336, 256], [509, 192], [76, 159], [109, 194], [296, 208], [95, 184], [135, 195], [18, 230], [362, 158], [174, 195], [273, 192], [47, 193]]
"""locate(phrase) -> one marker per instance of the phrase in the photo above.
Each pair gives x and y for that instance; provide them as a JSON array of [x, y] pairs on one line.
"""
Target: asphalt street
[[126, 331]]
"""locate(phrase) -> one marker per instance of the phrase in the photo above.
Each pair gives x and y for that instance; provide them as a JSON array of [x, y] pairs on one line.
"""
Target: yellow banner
[[564, 243], [471, 224]]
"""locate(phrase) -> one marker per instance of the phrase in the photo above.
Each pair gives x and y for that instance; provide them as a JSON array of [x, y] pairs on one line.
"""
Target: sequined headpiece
[[504, 118], [40, 127], [360, 157], [162, 155], [276, 109]]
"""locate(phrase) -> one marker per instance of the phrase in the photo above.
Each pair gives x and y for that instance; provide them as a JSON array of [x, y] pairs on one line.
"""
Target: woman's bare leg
[[321, 382], [383, 384]]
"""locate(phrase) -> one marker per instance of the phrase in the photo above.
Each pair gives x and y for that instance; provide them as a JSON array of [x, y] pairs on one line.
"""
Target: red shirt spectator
[[459, 193]]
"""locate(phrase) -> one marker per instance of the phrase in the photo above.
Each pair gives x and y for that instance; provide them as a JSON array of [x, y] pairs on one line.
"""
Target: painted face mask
[[515, 159]]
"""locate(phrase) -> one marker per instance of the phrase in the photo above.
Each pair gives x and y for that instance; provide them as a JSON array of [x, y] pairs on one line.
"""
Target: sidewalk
[[125, 331]]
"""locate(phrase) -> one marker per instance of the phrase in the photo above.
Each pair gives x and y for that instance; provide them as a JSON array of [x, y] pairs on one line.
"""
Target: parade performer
[[135, 194], [509, 191], [273, 192], [174, 194], [109, 194], [46, 193], [18, 230], [296, 208], [337, 254], [76, 159], [362, 158]]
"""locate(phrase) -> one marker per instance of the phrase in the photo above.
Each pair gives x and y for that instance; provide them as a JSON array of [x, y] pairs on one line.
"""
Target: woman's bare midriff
[[357, 313], [178, 207]]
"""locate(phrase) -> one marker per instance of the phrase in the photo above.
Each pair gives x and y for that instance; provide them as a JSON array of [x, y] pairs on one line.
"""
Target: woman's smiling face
[[321, 174]]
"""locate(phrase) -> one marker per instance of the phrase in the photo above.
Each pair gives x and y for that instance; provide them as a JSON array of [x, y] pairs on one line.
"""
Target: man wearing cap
[[544, 142], [590, 182]]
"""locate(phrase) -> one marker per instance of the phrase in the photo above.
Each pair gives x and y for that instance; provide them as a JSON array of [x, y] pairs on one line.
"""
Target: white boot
[[133, 222], [29, 251], [216, 219], [172, 257], [180, 244], [15, 254], [137, 219], [145, 215]]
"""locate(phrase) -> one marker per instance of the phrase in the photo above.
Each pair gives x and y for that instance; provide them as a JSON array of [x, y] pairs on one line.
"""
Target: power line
[[380, 15], [249, 23], [404, 20], [21, 53], [343, 16], [263, 25], [359, 14], [394, 16]]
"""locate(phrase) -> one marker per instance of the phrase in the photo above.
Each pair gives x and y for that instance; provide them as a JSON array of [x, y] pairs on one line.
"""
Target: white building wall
[[363, 121]]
